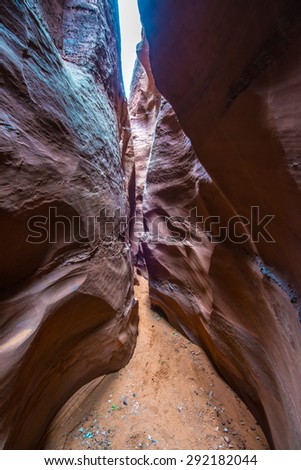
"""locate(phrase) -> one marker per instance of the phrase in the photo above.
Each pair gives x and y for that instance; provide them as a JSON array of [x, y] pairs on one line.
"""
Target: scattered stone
[[226, 439], [226, 430], [152, 440]]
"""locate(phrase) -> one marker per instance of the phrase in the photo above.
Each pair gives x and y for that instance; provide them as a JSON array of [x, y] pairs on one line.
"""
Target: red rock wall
[[51, 15], [144, 105], [67, 307], [232, 75]]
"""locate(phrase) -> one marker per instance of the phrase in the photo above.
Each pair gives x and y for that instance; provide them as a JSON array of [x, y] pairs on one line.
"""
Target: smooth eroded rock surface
[[144, 106], [232, 74], [67, 309]]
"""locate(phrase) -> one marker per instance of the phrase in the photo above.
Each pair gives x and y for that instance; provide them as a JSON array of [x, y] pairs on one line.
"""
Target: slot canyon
[[150, 245]]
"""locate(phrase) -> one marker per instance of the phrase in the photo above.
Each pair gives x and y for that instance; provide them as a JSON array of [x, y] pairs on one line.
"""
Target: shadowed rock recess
[[212, 130]]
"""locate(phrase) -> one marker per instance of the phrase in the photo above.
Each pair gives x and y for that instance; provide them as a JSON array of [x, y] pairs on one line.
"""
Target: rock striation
[[68, 313], [230, 73], [144, 103]]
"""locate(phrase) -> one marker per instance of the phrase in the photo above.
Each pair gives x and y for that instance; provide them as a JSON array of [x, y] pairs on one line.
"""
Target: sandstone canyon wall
[[144, 106], [232, 73], [67, 307]]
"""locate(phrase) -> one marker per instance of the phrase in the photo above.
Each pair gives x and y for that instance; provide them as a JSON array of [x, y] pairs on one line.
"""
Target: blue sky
[[130, 35]]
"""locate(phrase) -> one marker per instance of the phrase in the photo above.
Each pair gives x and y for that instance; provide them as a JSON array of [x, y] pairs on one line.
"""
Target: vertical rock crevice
[[144, 104]]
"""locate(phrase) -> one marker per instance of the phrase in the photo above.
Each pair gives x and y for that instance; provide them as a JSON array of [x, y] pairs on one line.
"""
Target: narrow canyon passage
[[169, 396], [192, 180]]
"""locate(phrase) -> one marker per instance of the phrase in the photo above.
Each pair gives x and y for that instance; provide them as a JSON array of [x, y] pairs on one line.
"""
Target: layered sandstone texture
[[232, 74], [144, 106], [67, 309]]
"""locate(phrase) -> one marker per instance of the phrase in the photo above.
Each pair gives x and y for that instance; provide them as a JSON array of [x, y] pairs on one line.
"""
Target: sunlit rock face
[[67, 307], [144, 106], [232, 74]]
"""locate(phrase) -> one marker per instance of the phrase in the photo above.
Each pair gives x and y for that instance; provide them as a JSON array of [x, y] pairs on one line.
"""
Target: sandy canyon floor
[[168, 397]]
